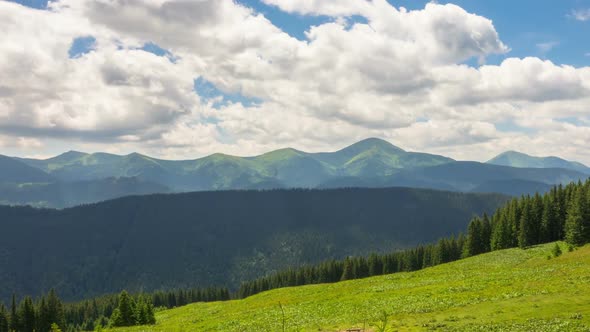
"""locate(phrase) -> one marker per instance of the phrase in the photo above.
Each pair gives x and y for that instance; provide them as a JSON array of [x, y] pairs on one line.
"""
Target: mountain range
[[72, 178]]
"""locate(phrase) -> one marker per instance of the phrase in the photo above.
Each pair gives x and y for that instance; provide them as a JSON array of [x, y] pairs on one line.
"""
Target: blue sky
[[543, 28]]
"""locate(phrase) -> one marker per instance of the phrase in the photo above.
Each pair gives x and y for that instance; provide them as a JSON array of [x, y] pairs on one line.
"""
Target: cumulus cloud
[[397, 74]]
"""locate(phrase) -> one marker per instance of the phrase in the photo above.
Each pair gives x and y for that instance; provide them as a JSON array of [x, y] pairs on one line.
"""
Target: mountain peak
[[373, 142], [69, 155]]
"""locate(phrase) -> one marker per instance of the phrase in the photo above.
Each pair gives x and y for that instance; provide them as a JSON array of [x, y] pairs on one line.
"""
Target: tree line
[[49, 313], [561, 214]]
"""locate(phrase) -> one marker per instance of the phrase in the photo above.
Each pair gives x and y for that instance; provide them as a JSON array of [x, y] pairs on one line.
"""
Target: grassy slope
[[510, 290]]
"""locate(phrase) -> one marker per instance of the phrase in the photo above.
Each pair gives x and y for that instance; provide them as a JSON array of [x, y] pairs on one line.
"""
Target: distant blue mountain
[[518, 159], [369, 163]]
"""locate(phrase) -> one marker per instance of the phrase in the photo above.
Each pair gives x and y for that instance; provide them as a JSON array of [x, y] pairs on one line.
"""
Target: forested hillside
[[215, 238], [60, 194], [561, 214]]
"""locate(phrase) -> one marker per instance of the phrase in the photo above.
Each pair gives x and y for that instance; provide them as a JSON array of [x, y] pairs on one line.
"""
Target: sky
[[181, 79]]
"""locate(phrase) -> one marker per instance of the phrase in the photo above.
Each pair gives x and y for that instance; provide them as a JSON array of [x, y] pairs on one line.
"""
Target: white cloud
[[581, 14], [547, 46], [347, 81]]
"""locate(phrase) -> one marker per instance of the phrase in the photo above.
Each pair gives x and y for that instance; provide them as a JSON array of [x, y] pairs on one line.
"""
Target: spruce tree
[[55, 309], [501, 237], [473, 244], [556, 251], [526, 235], [3, 318], [486, 234], [151, 317], [574, 223], [43, 321], [27, 315], [347, 273], [14, 318], [375, 265]]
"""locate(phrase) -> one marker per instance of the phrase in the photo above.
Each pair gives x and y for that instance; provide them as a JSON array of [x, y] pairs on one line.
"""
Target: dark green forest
[[215, 238], [561, 214], [49, 313]]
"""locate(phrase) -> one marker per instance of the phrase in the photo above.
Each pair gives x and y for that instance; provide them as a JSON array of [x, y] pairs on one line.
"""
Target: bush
[[556, 251]]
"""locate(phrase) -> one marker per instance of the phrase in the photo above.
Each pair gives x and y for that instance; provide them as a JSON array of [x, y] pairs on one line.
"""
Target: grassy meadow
[[508, 290]]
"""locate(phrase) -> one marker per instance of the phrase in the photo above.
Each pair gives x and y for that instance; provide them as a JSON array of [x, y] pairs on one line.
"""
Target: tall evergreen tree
[[549, 223], [3, 318], [14, 318], [55, 309], [501, 233], [574, 223], [43, 320], [27, 315], [348, 273], [125, 315], [526, 235], [474, 242], [486, 234]]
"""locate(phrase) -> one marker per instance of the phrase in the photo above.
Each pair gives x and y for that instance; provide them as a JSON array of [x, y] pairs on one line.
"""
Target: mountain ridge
[[368, 163], [522, 160]]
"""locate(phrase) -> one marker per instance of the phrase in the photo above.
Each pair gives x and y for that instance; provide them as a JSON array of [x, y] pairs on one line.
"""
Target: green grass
[[510, 290]]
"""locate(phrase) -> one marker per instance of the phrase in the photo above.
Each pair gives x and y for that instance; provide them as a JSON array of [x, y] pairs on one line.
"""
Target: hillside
[[14, 171], [215, 238], [64, 194], [467, 176], [519, 159], [507, 290]]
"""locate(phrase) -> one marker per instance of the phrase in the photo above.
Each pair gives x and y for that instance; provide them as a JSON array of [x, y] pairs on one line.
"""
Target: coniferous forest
[[50, 313], [146, 243], [561, 214]]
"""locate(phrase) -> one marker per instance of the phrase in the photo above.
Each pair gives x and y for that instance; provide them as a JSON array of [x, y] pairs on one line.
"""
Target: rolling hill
[[215, 238], [507, 290], [518, 159]]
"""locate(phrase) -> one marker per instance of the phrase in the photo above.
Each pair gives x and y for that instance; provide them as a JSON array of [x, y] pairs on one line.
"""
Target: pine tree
[[27, 315], [55, 328], [501, 233], [574, 223], [43, 321], [549, 223], [3, 319], [55, 310], [526, 235], [348, 273], [537, 216], [375, 265], [486, 234], [556, 251], [14, 318], [473, 244], [151, 317]]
